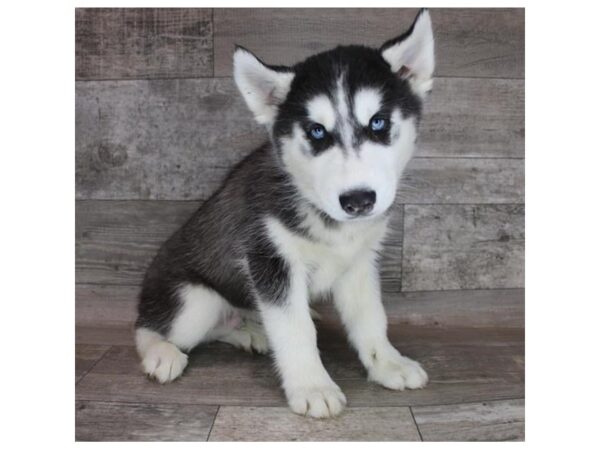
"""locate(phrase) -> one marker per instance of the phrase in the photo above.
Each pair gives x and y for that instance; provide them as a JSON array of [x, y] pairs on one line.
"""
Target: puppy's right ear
[[412, 55], [263, 87]]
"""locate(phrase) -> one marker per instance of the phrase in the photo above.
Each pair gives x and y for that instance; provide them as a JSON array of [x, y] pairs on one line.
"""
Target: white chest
[[327, 252]]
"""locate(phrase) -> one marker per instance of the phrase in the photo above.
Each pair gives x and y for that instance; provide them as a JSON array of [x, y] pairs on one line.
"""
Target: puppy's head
[[344, 122]]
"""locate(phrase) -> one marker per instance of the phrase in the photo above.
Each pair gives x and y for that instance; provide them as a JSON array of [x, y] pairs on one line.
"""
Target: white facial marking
[[375, 166], [343, 123], [320, 110], [367, 102]]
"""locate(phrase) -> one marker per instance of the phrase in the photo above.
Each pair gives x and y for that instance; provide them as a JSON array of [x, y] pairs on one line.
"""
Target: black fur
[[361, 67], [228, 230]]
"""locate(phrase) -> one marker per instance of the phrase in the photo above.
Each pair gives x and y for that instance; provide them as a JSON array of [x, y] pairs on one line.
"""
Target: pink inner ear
[[404, 72]]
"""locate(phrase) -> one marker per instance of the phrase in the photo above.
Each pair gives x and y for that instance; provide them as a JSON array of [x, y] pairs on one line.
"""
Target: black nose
[[358, 202]]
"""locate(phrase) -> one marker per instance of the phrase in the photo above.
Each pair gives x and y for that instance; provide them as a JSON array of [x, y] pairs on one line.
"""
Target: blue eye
[[317, 132], [377, 124]]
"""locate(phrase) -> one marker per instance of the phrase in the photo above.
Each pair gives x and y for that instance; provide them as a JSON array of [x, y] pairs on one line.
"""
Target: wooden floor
[[476, 389], [159, 123]]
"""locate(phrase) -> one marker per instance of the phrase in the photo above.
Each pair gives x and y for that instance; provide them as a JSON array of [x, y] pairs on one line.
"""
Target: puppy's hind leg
[[161, 359], [201, 310], [244, 331]]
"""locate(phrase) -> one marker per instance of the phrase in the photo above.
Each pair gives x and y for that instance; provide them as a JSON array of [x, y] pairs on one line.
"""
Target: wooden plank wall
[[159, 122]]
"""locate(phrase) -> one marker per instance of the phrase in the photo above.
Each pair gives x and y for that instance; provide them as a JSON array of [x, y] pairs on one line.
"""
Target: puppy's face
[[344, 121]]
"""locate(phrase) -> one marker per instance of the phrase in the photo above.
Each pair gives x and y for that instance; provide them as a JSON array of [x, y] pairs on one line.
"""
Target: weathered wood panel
[[94, 333], [489, 421], [105, 305], [469, 42], [457, 180], [234, 423], [176, 139], [390, 260], [100, 421], [133, 43], [464, 366], [114, 306], [473, 117], [116, 240], [158, 139], [86, 355], [463, 247]]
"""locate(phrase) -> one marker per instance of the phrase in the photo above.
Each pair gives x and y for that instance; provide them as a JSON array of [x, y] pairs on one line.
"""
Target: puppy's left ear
[[411, 55], [263, 87]]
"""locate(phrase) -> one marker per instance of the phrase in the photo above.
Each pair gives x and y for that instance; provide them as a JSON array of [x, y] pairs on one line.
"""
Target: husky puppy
[[299, 217]]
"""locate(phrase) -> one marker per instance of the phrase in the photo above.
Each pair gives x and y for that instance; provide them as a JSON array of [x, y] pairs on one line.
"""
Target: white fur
[[378, 167], [201, 312], [203, 316], [416, 53], [315, 263], [357, 297], [343, 260], [367, 102], [161, 360], [292, 335], [263, 89], [320, 110]]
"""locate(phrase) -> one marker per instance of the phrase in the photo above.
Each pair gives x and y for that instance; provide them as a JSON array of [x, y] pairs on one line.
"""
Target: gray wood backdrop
[[159, 122]]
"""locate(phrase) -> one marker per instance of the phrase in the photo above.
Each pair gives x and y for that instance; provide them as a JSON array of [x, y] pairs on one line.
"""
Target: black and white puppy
[[299, 217]]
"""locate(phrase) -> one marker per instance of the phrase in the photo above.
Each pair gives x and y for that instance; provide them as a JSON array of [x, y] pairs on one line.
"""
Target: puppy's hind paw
[[164, 362]]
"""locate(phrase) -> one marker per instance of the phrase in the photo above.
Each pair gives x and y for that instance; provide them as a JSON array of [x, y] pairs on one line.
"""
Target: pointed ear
[[263, 87], [411, 55]]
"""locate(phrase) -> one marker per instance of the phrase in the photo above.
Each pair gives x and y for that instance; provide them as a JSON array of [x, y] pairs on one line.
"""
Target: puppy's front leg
[[357, 296], [283, 303]]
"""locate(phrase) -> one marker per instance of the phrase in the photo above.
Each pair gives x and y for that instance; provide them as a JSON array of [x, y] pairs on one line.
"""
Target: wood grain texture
[[235, 423], [473, 117], [457, 180], [100, 421], [177, 139], [86, 356], [463, 247], [116, 240], [469, 42], [113, 307], [485, 308], [158, 139], [98, 333], [464, 365], [141, 43], [105, 305], [488, 421]]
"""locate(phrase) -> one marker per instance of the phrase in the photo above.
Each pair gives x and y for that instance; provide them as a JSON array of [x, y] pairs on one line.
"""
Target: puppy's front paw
[[318, 401], [397, 372]]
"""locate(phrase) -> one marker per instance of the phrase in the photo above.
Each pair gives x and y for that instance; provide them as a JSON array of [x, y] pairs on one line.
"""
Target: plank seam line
[[512, 288], [213, 422], [212, 23], [495, 400], [402, 249], [85, 374], [143, 403], [284, 405], [415, 422], [225, 77]]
